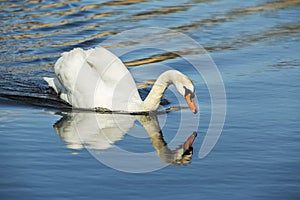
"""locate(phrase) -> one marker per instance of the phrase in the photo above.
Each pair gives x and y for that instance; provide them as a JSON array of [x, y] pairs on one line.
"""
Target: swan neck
[[153, 99]]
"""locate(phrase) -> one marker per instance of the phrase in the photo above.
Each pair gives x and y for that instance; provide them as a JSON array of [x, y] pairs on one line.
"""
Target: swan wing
[[75, 79], [58, 87], [117, 82], [108, 65], [94, 78]]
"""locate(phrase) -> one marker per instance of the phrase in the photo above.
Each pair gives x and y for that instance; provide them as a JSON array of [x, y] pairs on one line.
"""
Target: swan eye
[[188, 91], [192, 95]]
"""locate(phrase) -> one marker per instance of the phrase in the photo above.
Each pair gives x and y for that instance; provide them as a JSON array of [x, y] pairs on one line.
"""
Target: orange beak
[[191, 103]]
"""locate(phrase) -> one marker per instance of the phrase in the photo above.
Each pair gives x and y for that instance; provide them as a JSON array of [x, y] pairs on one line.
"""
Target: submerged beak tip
[[195, 134]]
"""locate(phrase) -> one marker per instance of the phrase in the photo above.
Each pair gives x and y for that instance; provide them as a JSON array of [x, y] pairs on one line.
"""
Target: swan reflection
[[101, 132]]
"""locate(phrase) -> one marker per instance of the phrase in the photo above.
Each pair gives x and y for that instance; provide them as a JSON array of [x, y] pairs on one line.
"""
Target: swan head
[[185, 87], [183, 84]]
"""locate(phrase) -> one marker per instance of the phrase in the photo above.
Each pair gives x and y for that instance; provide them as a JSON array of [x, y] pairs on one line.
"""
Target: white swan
[[96, 78]]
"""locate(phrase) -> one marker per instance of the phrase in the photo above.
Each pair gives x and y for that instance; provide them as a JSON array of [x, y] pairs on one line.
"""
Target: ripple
[[249, 39], [46, 6], [83, 8], [73, 42], [11, 5], [236, 14], [162, 11], [269, 6]]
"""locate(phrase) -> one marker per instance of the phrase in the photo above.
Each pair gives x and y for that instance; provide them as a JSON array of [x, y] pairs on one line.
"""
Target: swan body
[[96, 78]]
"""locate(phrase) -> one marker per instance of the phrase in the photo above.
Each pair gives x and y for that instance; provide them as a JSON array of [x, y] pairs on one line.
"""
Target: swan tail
[[51, 83], [57, 87]]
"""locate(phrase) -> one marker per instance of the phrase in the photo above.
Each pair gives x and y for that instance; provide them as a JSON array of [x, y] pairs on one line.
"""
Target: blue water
[[255, 46]]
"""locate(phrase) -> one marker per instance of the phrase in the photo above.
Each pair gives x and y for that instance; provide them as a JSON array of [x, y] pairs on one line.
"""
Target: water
[[255, 45]]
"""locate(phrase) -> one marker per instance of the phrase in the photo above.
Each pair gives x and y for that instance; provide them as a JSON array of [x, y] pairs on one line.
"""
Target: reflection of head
[[175, 157], [180, 156]]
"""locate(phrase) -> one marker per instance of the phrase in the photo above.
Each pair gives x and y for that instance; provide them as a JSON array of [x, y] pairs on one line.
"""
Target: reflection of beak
[[189, 142], [191, 103], [187, 147]]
